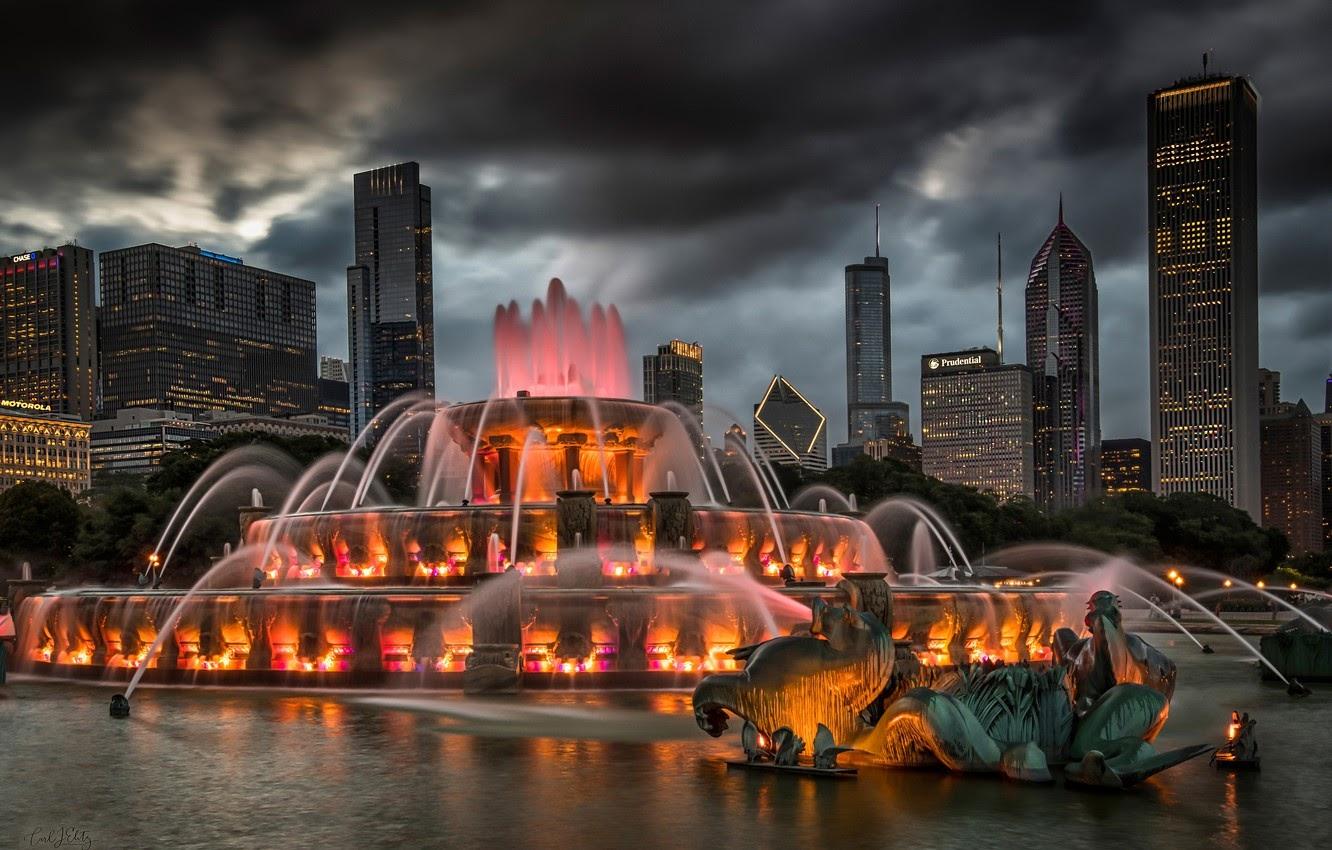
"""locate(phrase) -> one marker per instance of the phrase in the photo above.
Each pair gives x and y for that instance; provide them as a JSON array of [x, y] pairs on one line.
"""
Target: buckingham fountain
[[561, 535]]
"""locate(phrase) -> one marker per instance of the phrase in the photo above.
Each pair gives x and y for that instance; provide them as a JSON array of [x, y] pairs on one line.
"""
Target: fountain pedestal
[[577, 564], [16, 590], [247, 516], [495, 663], [870, 592], [672, 520]]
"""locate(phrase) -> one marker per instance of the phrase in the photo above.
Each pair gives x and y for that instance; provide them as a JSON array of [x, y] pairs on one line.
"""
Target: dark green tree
[[1106, 524], [39, 523]]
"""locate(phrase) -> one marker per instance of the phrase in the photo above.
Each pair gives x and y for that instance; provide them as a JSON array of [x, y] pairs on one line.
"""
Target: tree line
[[106, 532]]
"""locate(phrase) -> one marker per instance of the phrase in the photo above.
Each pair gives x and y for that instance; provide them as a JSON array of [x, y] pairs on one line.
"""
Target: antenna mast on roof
[[999, 288], [876, 230]]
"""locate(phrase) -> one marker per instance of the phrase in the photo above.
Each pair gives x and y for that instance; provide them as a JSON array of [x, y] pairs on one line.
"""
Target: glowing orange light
[[1226, 583], [1294, 586], [1261, 584]]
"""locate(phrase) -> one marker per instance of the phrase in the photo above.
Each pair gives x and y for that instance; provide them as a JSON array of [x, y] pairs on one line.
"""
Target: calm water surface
[[218, 768]]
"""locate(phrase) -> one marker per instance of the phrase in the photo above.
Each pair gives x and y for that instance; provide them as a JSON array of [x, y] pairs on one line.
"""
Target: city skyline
[[642, 223]]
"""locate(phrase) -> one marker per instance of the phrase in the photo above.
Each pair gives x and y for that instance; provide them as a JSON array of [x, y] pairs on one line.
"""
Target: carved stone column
[[672, 519], [99, 618], [247, 516], [210, 634], [572, 446], [632, 617], [503, 445], [17, 590], [168, 655], [495, 663], [258, 622], [576, 563], [367, 648], [869, 592], [1022, 610]]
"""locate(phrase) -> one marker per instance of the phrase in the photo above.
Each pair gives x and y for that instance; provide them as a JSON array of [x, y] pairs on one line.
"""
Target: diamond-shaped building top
[[789, 429]]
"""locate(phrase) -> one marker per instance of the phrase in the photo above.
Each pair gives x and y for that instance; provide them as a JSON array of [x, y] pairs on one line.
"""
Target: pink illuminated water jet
[[558, 352]]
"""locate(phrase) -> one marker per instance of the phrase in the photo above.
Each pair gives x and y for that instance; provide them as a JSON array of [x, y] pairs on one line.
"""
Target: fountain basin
[[643, 636]]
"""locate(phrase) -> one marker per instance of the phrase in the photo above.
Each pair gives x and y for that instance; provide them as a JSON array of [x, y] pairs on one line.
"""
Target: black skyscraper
[[185, 329], [48, 331], [870, 410], [390, 291]]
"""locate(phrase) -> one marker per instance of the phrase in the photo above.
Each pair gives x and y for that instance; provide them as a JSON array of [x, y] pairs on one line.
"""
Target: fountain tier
[[537, 479], [613, 636]]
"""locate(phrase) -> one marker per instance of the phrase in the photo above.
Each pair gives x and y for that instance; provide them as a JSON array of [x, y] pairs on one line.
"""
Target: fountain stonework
[[562, 535]]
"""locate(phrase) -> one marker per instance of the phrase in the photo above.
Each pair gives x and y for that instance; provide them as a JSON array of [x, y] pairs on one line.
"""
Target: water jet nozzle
[[120, 706], [1298, 689], [1207, 649]]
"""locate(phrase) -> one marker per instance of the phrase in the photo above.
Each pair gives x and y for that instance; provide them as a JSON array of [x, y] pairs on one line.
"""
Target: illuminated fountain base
[[499, 634]]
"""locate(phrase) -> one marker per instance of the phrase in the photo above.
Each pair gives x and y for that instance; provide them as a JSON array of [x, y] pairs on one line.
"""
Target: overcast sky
[[709, 167]]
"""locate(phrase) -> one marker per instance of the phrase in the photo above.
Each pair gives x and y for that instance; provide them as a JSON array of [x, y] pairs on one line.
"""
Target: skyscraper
[[975, 422], [1202, 211], [48, 332], [870, 409], [332, 368], [1292, 475], [390, 291], [1126, 465], [190, 330], [1324, 421], [1062, 353], [675, 373], [788, 429], [1269, 391]]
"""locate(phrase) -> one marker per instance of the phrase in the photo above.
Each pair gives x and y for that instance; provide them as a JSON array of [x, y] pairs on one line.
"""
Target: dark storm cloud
[[711, 167]]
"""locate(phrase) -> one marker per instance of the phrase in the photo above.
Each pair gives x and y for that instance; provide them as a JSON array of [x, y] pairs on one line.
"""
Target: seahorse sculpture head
[[1111, 656], [845, 628], [1103, 605]]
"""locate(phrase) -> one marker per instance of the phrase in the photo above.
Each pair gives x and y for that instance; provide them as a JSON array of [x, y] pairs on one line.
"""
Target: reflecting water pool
[[254, 768]]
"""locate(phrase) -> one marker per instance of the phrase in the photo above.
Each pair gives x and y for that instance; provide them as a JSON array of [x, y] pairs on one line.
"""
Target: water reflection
[[227, 768]]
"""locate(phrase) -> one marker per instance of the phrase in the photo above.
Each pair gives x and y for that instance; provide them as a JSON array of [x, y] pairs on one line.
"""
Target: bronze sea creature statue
[[799, 682], [1096, 710]]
